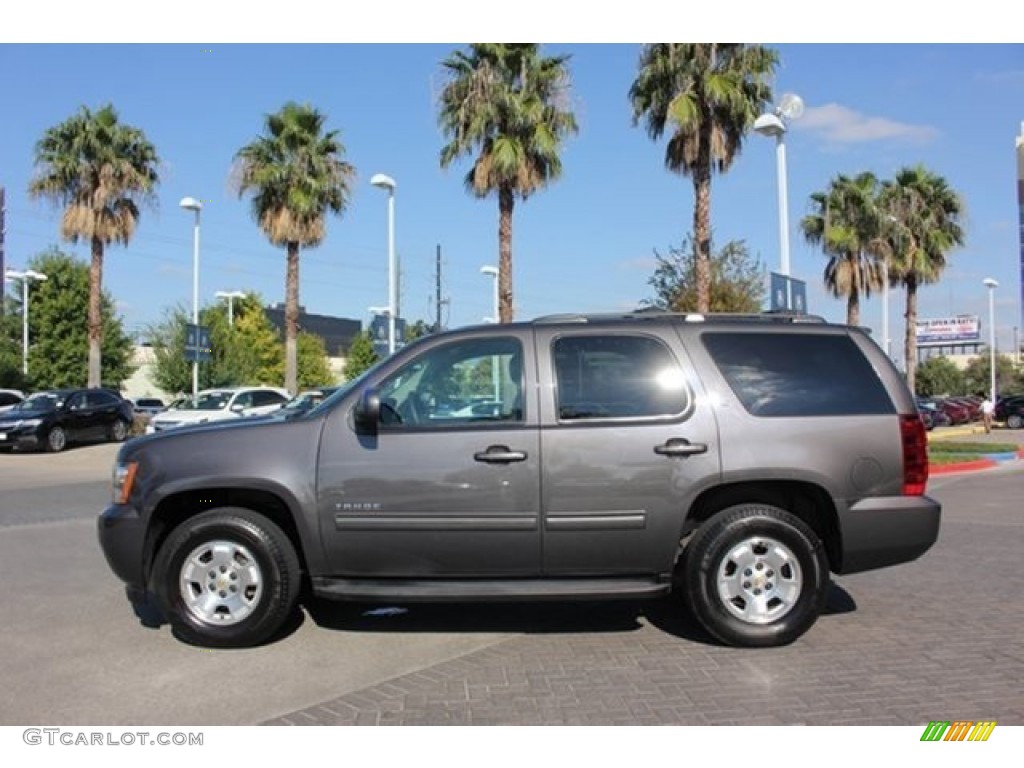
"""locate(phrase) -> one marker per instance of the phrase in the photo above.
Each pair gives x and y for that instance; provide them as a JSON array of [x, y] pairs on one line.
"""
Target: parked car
[[306, 401], [632, 456], [973, 407], [957, 413], [932, 415], [148, 406], [1011, 410], [52, 419], [221, 404], [10, 398]]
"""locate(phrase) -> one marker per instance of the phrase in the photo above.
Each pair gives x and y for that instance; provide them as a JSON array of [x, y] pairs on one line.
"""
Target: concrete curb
[[987, 461]]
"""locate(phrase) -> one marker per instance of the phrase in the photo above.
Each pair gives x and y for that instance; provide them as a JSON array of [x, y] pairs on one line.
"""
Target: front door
[[449, 484]]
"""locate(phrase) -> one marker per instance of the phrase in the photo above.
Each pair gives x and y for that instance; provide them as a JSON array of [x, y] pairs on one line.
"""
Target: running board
[[469, 590]]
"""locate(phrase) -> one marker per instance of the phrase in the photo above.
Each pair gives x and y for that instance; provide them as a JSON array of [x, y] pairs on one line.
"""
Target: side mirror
[[366, 414]]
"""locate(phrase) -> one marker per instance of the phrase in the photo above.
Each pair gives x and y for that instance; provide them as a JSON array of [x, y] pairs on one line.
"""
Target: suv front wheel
[[755, 575], [228, 577]]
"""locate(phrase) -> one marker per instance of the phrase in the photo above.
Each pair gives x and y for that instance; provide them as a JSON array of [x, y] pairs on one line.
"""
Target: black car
[[51, 419], [1011, 410]]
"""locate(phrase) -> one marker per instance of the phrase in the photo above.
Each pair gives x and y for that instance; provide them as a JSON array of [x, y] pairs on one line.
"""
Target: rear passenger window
[[788, 374], [617, 377]]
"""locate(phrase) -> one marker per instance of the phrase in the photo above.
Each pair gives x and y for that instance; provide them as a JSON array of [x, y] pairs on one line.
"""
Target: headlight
[[122, 479]]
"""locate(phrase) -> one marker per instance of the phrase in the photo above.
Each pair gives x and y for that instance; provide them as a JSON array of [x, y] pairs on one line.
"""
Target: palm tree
[[925, 223], [99, 170], [709, 95], [508, 104], [847, 224], [295, 173]]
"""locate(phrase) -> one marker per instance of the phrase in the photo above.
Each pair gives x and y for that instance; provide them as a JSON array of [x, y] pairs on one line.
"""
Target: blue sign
[[379, 334], [197, 343], [787, 294]]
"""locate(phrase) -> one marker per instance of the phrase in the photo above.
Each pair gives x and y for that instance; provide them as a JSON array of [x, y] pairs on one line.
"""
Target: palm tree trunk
[[910, 345], [291, 319], [853, 307], [702, 223], [506, 202], [95, 321]]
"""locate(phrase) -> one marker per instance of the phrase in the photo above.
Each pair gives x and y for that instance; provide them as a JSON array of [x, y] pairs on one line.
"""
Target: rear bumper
[[885, 531]]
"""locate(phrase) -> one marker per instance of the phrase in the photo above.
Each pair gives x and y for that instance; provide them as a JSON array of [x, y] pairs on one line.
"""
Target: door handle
[[499, 454], [680, 446]]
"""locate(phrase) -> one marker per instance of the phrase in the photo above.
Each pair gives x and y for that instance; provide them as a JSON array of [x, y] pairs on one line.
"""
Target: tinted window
[[98, 399], [788, 374], [267, 397], [617, 377], [9, 398], [466, 382]]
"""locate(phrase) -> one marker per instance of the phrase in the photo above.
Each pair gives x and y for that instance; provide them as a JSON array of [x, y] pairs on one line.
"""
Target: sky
[[586, 243]]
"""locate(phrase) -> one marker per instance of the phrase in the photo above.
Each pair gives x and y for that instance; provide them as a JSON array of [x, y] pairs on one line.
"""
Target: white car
[[219, 405]]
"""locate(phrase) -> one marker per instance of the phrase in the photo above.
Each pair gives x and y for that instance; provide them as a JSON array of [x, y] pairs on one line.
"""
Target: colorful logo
[[958, 730]]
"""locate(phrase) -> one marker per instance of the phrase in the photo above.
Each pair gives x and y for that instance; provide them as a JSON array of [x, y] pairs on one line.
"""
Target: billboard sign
[[962, 329]]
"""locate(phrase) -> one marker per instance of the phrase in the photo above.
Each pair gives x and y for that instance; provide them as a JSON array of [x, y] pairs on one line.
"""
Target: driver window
[[468, 382]]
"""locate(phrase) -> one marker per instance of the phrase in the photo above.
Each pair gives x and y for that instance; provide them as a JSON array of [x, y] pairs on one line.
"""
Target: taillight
[[915, 454]]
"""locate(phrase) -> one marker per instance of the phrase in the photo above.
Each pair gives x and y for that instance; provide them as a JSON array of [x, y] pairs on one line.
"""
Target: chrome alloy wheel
[[221, 582], [759, 580]]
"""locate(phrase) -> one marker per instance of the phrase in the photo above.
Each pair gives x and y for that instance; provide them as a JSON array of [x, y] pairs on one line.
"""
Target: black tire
[[243, 542], [119, 431], [787, 569], [56, 440], [1014, 421]]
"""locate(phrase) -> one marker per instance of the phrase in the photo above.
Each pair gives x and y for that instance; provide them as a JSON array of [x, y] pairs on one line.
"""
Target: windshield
[[40, 401], [212, 401]]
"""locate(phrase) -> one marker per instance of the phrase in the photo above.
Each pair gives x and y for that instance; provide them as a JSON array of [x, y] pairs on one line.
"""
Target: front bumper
[[122, 536], [885, 531]]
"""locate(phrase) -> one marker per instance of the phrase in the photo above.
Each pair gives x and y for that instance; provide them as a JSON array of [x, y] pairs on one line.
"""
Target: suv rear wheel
[[756, 575], [226, 578]]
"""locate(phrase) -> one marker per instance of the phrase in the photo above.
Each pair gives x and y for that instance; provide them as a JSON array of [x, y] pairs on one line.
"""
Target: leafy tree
[[708, 95], [508, 104], [11, 376], [314, 370], [98, 170], [847, 224], [978, 375], [925, 223], [361, 356], [939, 376], [417, 330], [737, 279], [59, 343], [295, 173], [247, 352]]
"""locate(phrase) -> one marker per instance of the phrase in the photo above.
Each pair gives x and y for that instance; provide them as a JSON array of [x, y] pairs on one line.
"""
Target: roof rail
[[654, 313]]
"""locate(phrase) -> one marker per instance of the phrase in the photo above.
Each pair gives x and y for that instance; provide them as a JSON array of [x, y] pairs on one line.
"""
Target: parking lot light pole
[[26, 277], [386, 182], [991, 284], [492, 272], [191, 204], [230, 296]]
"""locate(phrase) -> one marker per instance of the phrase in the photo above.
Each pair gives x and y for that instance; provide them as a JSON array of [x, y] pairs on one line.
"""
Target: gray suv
[[735, 459]]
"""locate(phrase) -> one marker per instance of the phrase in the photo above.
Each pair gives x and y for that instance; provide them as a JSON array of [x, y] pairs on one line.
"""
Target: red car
[[957, 413]]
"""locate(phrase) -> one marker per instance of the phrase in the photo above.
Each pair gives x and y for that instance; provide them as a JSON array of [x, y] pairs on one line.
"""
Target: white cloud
[[837, 124]]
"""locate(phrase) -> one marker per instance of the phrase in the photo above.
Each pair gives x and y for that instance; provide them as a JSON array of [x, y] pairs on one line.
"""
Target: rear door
[[628, 442]]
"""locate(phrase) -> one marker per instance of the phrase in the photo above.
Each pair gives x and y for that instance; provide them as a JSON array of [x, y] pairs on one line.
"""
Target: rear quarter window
[[789, 374]]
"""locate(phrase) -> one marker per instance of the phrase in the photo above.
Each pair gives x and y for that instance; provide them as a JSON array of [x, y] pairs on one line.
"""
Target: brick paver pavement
[[937, 639]]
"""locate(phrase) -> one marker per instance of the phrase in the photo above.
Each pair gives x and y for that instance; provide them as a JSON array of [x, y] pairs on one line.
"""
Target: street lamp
[[230, 296], [386, 182], [773, 123], [493, 272], [26, 277], [991, 284], [191, 204]]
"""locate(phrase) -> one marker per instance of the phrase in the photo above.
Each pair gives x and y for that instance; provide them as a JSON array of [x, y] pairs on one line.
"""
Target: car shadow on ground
[[669, 614]]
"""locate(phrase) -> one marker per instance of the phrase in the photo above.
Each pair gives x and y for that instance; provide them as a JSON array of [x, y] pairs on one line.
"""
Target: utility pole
[[437, 288]]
